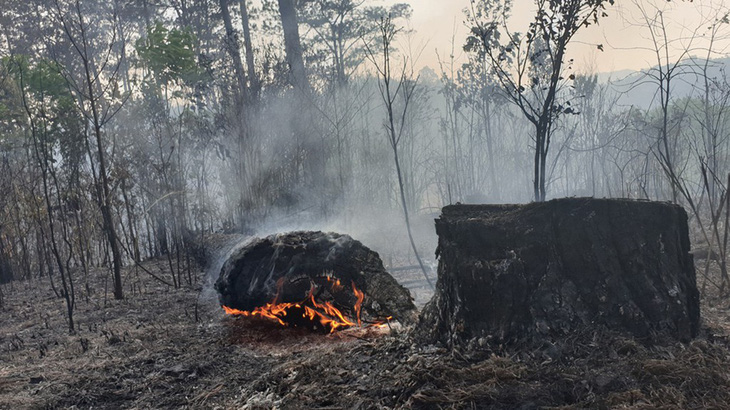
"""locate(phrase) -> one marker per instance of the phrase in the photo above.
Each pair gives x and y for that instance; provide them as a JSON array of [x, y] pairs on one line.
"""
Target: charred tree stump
[[287, 266], [526, 272]]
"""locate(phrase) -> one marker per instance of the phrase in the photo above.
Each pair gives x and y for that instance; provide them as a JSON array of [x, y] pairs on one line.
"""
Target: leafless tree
[[532, 69], [94, 85], [396, 89]]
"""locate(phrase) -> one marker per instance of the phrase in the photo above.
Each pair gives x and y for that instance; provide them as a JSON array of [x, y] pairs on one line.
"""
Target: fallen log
[[528, 272], [288, 268]]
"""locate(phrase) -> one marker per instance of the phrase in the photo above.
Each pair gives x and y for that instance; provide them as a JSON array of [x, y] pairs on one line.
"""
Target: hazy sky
[[437, 21]]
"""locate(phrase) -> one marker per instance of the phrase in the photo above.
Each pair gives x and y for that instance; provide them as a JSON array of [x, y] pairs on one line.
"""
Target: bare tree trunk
[[253, 78], [490, 150], [404, 89], [45, 162], [293, 45], [106, 213], [92, 95], [233, 48], [538, 155], [407, 217], [133, 227]]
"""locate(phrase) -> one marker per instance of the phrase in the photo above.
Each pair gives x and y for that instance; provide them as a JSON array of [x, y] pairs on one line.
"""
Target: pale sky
[[436, 21]]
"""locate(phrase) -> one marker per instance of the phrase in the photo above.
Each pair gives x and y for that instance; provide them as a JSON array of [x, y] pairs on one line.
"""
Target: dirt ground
[[174, 348]]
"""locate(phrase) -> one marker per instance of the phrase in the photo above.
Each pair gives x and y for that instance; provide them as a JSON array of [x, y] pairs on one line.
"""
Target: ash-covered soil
[[174, 348]]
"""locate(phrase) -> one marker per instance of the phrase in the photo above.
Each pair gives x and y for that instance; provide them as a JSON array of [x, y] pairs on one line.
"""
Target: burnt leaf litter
[[175, 348]]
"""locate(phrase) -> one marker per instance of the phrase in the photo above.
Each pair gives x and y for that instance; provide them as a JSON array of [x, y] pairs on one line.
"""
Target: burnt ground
[[173, 348]]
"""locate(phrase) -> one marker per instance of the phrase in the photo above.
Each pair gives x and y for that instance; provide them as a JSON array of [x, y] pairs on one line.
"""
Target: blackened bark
[[286, 265], [253, 78], [544, 270], [233, 48]]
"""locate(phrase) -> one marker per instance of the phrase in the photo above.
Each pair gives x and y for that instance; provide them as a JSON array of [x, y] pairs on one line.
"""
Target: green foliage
[[38, 91], [169, 54], [11, 111], [45, 80], [41, 79], [43, 85]]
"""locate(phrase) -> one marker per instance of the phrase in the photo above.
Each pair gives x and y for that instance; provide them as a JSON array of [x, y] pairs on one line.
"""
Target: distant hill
[[641, 91]]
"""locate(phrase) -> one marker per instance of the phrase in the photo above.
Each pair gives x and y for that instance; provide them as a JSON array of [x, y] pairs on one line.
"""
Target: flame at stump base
[[310, 314], [312, 269]]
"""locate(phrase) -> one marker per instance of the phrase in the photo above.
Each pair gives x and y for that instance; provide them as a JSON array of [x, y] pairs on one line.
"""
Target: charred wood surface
[[531, 272], [285, 267]]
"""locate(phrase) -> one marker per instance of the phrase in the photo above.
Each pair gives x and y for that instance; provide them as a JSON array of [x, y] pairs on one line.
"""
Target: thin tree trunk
[[232, 47], [407, 217], [538, 155], [253, 78]]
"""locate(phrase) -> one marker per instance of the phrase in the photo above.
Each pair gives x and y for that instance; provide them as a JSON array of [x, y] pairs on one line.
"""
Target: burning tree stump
[[304, 271], [526, 272]]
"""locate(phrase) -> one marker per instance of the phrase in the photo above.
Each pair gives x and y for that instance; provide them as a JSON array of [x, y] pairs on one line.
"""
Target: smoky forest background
[[129, 128]]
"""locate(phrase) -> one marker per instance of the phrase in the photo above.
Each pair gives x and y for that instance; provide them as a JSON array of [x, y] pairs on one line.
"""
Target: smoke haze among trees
[[129, 128]]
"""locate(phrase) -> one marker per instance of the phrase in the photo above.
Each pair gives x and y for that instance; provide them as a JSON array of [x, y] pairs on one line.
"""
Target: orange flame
[[358, 304], [325, 314], [336, 284]]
